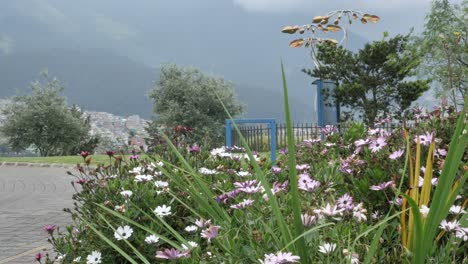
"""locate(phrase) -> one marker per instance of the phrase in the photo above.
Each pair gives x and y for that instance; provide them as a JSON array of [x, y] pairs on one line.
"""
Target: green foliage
[[44, 121], [187, 97], [443, 46], [374, 81]]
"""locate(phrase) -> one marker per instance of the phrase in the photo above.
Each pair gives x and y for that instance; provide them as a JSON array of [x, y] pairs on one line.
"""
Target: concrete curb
[[38, 165]]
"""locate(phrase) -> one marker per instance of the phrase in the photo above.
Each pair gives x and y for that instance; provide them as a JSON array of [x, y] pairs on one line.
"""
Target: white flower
[[353, 258], [327, 248], [152, 239], [143, 178], [162, 211], [123, 232], [191, 245], [78, 259], [94, 258], [462, 233], [331, 210], [424, 211], [206, 171], [456, 209], [449, 226], [243, 173], [360, 216], [191, 228], [126, 194], [136, 170], [161, 184]]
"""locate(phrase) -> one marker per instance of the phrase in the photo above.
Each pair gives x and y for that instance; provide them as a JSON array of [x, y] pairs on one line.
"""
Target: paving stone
[[31, 198]]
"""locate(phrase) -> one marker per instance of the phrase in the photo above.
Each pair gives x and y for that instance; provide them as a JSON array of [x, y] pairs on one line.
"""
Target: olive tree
[[187, 97], [44, 121]]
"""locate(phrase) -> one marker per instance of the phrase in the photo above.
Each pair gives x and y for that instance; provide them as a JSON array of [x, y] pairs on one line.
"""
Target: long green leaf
[[301, 236], [295, 200], [440, 205], [374, 245]]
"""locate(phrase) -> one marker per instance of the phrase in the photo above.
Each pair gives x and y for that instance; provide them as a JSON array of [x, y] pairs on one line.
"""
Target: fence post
[[228, 133], [272, 125]]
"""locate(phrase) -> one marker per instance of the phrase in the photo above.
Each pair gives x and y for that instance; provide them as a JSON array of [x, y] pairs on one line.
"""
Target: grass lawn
[[96, 159]]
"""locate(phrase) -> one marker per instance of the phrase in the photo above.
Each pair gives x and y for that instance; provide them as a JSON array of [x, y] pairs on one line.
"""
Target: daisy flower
[[162, 211], [242, 205], [126, 194], [396, 154], [327, 248], [191, 228], [123, 232], [94, 258], [280, 258], [171, 253], [152, 239], [210, 233], [378, 144]]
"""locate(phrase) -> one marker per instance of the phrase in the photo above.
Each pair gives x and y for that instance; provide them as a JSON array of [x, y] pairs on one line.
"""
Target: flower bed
[[229, 206]]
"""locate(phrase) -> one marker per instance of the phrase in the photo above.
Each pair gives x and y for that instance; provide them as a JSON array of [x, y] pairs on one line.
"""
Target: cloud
[[6, 44], [303, 6], [114, 29]]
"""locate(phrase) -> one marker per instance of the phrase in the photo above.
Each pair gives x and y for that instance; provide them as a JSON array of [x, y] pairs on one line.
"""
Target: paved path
[[30, 198]]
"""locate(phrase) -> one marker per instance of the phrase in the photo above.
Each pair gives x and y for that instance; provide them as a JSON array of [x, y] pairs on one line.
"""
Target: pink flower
[[441, 152], [210, 233], [345, 202], [244, 204], [328, 129], [276, 170], [49, 228], [382, 186], [378, 144], [194, 149], [397, 154], [361, 142], [38, 257], [425, 139], [172, 253], [84, 154]]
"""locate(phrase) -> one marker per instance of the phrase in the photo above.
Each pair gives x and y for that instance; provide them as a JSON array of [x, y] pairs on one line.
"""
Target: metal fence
[[258, 136]]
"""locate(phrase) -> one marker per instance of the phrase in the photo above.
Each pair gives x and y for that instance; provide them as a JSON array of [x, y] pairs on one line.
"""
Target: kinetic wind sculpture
[[322, 24], [328, 111]]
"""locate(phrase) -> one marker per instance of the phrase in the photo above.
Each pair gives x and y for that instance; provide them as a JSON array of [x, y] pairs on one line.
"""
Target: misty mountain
[[108, 53]]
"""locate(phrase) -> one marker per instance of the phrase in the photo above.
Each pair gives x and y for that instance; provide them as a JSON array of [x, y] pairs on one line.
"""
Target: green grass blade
[[374, 245], [295, 200], [301, 236]]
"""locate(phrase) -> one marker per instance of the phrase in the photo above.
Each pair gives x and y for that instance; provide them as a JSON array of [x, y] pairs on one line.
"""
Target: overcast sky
[[239, 39]]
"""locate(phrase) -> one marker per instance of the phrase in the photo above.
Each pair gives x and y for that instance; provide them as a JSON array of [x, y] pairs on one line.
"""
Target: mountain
[[95, 80], [108, 55]]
